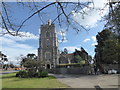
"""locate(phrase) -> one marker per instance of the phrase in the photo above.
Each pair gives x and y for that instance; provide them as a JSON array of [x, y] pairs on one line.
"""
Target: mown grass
[[10, 81]]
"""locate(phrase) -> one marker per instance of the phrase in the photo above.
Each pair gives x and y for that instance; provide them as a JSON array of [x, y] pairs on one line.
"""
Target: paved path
[[89, 81], [6, 72]]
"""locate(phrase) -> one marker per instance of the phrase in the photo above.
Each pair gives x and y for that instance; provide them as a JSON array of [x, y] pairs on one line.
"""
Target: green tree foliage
[[5, 66], [107, 48], [11, 65], [3, 57], [83, 55], [78, 59], [31, 56], [3, 60], [113, 22], [113, 18], [31, 62], [110, 52]]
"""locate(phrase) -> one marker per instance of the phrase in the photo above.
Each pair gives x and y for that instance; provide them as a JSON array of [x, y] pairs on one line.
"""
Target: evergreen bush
[[27, 74], [22, 74], [44, 74]]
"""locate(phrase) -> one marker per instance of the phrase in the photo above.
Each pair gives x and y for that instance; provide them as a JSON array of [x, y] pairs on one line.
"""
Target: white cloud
[[13, 52], [13, 46], [92, 15], [94, 41], [63, 40], [93, 44], [62, 36], [71, 48], [25, 36], [93, 38], [62, 33], [86, 40]]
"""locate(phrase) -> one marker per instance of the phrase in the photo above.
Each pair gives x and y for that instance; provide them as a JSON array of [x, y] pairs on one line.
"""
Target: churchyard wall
[[71, 70]]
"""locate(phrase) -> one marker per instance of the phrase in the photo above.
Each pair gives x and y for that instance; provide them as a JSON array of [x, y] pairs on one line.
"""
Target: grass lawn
[[10, 81]]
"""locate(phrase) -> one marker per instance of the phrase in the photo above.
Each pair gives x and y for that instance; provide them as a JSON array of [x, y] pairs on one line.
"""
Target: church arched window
[[47, 55], [47, 34]]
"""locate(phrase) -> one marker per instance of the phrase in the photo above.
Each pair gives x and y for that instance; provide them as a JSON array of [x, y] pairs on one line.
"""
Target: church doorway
[[48, 66]]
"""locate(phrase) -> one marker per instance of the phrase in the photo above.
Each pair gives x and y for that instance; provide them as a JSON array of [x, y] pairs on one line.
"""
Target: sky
[[14, 46]]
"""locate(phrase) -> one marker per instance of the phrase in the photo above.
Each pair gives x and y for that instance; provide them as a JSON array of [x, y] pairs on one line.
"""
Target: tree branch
[[6, 25], [63, 11], [34, 14], [7, 16]]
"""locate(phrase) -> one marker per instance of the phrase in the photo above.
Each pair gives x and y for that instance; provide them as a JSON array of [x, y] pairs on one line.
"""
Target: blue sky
[[13, 47]]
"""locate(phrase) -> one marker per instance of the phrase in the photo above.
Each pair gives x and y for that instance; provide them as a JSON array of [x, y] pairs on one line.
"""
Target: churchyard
[[45, 53], [10, 81], [61, 81]]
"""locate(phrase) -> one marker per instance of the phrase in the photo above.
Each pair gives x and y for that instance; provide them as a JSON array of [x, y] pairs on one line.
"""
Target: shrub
[[22, 73], [17, 74], [37, 74], [44, 74], [26, 74], [31, 73]]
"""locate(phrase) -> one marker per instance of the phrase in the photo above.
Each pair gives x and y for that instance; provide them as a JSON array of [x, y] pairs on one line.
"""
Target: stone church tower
[[48, 45]]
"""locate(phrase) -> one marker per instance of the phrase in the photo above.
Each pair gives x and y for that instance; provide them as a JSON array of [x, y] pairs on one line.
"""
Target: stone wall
[[71, 70]]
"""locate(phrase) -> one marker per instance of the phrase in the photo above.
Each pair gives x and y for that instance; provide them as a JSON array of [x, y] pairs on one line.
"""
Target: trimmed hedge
[[72, 64], [30, 74]]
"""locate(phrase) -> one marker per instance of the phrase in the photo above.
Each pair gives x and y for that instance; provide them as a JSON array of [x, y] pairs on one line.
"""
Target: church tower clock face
[[48, 47]]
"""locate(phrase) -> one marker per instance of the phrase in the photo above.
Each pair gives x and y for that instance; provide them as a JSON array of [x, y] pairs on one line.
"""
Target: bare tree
[[113, 17], [63, 16]]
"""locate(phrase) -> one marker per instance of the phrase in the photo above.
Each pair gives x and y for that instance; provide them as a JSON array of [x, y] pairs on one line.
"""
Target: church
[[48, 51], [48, 45]]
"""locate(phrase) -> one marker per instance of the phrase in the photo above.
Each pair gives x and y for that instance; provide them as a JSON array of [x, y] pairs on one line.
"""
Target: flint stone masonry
[[71, 70], [48, 45]]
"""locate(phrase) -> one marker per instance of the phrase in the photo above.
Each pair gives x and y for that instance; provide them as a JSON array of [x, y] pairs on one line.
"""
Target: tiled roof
[[70, 54]]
